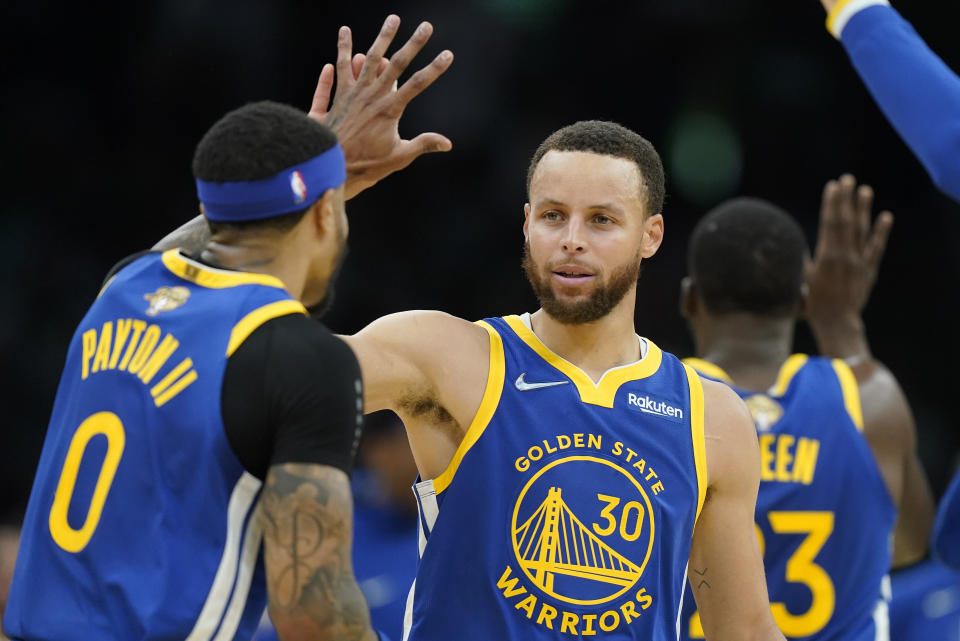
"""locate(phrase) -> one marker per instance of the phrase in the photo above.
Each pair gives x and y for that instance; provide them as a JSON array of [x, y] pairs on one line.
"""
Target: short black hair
[[256, 142], [609, 139], [747, 255]]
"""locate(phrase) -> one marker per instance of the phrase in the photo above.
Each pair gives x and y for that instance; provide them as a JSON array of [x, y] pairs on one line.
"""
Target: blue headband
[[292, 189]]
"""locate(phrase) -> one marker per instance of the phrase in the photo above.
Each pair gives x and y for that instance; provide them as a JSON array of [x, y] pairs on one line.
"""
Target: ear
[[652, 235], [805, 287], [322, 214], [526, 222], [689, 298]]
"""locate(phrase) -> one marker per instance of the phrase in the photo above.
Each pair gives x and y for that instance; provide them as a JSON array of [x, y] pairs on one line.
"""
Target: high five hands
[[368, 104]]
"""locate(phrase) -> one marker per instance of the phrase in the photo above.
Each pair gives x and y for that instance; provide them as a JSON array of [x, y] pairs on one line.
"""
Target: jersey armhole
[[697, 435], [242, 330], [850, 390], [488, 405]]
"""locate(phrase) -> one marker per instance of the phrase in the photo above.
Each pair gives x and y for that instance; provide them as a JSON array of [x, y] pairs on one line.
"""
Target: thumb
[[429, 142]]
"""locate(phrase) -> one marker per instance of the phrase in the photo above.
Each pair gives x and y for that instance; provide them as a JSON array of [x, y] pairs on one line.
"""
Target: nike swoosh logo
[[524, 386]]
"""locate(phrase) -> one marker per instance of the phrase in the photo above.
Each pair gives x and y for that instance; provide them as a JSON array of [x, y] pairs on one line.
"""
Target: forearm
[[917, 92], [311, 589], [192, 237]]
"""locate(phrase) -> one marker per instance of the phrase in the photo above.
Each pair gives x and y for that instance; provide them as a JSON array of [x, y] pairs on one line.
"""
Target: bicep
[[307, 515], [726, 568], [410, 353]]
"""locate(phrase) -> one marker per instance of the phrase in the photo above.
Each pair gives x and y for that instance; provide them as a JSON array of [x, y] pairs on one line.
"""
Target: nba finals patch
[[582, 534], [166, 299], [765, 411]]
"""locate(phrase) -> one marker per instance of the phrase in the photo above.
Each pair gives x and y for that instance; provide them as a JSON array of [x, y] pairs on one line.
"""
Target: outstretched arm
[[726, 568], [917, 92], [365, 115], [840, 279]]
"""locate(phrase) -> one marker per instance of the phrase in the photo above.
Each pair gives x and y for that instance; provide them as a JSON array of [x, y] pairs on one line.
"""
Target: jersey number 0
[[108, 424]]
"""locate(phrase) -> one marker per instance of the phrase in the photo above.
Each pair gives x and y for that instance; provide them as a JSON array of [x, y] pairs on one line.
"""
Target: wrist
[[843, 337]]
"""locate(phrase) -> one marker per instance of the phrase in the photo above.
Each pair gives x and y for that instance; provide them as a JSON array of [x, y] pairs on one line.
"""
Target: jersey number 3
[[818, 526], [109, 425]]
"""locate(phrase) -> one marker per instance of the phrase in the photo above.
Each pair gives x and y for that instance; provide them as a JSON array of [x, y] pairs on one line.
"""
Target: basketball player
[[838, 446], [915, 89], [201, 412]]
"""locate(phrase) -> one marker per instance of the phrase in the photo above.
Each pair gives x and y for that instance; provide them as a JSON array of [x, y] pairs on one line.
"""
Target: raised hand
[[844, 267], [368, 104]]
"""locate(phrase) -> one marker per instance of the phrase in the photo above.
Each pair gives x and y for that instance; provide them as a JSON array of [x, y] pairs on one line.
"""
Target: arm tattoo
[[307, 513], [191, 236], [700, 579]]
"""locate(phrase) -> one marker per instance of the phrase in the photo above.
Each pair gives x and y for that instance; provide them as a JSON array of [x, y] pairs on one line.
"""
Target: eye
[[552, 215], [602, 219]]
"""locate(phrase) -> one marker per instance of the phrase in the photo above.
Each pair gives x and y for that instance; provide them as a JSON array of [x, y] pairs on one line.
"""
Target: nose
[[573, 239]]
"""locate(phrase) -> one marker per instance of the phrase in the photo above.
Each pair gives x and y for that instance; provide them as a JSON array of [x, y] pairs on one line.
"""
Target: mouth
[[571, 275]]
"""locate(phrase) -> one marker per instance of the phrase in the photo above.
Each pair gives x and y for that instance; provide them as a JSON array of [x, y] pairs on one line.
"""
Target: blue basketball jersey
[[824, 516], [569, 507], [141, 522]]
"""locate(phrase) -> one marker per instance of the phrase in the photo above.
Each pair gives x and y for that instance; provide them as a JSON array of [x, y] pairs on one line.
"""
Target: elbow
[[943, 165]]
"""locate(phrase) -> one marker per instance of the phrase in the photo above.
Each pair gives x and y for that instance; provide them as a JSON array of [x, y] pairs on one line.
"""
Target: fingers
[[425, 77], [863, 205], [321, 95], [345, 75], [877, 243], [379, 48], [359, 59], [827, 236], [402, 58]]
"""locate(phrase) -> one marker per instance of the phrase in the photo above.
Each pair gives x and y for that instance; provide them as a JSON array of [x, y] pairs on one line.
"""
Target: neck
[[749, 348], [594, 347], [261, 255]]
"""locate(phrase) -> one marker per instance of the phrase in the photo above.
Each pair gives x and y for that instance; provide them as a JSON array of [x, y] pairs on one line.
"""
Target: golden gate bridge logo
[[554, 544], [563, 545]]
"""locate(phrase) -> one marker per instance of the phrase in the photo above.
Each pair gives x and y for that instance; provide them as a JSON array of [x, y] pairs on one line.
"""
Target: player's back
[[824, 516], [141, 519]]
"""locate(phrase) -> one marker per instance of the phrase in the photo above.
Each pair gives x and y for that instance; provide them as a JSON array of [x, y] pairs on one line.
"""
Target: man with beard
[[571, 468], [201, 412]]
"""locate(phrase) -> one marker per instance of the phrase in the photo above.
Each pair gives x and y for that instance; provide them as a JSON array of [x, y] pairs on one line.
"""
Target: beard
[[601, 301], [320, 308]]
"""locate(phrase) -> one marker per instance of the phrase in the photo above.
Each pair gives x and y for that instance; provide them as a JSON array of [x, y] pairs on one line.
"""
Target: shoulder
[[730, 435], [294, 341], [422, 332], [124, 263]]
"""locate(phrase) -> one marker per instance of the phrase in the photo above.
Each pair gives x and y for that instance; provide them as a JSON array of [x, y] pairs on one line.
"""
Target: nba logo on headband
[[298, 186]]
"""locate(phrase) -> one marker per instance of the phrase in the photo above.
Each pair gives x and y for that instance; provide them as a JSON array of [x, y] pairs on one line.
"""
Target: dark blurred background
[[102, 105]]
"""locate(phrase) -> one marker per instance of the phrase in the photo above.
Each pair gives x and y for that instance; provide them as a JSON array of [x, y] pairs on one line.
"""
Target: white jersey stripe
[[252, 539], [683, 588], [881, 613], [241, 499]]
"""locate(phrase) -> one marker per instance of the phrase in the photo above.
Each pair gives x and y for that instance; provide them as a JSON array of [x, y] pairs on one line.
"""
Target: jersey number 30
[[818, 526], [108, 424]]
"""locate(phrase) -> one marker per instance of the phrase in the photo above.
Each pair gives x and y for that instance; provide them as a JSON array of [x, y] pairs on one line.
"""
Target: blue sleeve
[[916, 91], [946, 529]]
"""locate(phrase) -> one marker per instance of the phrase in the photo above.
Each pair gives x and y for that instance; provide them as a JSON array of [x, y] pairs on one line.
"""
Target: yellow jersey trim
[[708, 369], [697, 435], [851, 391], [258, 317], [787, 371], [214, 278], [488, 405], [601, 393], [834, 13], [105, 285]]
